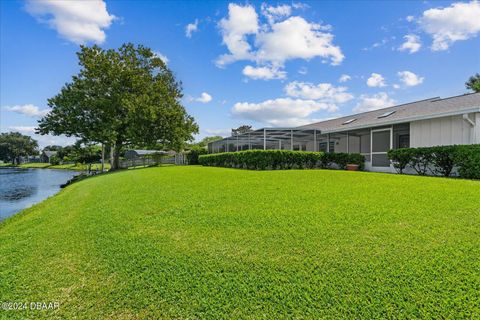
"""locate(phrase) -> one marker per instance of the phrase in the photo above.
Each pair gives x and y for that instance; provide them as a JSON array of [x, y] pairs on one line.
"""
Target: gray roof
[[147, 152], [423, 109]]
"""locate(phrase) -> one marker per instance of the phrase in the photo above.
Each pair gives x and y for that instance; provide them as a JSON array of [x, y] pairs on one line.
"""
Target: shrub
[[194, 153], [420, 160], [400, 158], [467, 159], [280, 159], [443, 159], [440, 160]]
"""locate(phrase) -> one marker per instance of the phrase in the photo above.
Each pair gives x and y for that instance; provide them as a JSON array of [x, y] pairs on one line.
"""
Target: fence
[[177, 159]]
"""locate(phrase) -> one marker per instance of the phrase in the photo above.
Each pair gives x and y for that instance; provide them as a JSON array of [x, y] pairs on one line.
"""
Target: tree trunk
[[103, 157], [115, 156]]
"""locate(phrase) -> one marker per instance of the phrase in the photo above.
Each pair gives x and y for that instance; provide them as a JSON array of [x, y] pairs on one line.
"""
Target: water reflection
[[21, 188]]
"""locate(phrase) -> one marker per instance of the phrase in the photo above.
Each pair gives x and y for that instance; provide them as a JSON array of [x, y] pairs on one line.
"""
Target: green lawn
[[195, 242]]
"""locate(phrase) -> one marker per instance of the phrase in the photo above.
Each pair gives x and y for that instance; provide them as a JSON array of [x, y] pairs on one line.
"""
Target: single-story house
[[136, 154], [46, 156], [424, 123]]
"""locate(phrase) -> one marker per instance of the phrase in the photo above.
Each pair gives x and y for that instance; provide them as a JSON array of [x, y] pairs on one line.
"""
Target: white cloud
[[409, 78], [274, 43], [28, 110], [376, 80], [162, 56], [191, 28], [204, 98], [241, 22], [76, 21], [281, 111], [409, 18], [412, 43], [264, 73], [459, 21], [303, 70], [373, 102], [296, 38], [323, 91], [344, 78], [218, 132], [275, 13], [300, 5], [23, 129]]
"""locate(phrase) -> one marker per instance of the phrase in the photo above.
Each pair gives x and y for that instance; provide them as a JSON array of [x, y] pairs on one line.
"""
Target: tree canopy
[[473, 83], [121, 97], [14, 145], [205, 141], [241, 129]]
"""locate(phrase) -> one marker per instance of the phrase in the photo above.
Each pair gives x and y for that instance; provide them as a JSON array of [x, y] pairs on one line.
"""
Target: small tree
[[14, 145], [473, 83]]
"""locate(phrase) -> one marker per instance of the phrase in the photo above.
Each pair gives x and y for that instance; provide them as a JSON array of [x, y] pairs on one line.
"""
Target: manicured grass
[[195, 242]]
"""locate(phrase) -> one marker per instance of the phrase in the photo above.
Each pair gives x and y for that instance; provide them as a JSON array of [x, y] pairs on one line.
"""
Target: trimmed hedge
[[440, 160], [280, 159]]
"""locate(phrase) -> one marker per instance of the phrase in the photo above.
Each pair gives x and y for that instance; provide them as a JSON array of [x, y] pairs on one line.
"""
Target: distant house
[[136, 154], [46, 156], [425, 123]]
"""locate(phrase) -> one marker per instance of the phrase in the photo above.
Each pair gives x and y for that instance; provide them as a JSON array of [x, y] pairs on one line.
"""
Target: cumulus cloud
[[204, 98], [296, 38], [264, 73], [373, 102], [162, 56], [191, 28], [283, 38], [376, 80], [459, 21], [76, 21], [412, 43], [241, 21], [344, 78], [275, 13], [409, 78], [281, 111], [29, 110], [409, 18], [325, 92]]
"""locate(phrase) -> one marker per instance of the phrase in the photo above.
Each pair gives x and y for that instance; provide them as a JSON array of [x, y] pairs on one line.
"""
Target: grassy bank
[[73, 166], [195, 242]]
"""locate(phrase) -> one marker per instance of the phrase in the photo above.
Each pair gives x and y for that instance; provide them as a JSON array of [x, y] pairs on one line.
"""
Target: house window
[[401, 136]]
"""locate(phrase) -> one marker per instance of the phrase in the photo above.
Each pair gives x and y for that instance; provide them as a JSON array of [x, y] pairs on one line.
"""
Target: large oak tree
[[121, 97]]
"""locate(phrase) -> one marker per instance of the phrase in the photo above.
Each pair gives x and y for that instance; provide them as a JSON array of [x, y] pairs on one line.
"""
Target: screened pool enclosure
[[373, 143]]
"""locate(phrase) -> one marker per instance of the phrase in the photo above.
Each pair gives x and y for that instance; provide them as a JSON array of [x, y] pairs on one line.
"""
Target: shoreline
[[71, 167]]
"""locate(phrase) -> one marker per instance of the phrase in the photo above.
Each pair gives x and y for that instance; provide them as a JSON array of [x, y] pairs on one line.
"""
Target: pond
[[22, 188]]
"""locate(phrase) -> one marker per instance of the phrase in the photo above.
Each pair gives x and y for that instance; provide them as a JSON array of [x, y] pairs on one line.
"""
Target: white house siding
[[443, 131]]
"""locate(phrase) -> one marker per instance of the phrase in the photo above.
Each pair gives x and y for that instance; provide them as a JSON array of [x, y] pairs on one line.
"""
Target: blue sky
[[258, 63]]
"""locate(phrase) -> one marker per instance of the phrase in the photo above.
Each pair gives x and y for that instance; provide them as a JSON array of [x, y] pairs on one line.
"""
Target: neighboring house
[[136, 154], [425, 123], [46, 156]]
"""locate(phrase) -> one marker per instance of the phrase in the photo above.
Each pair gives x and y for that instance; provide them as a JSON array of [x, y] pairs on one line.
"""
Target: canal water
[[22, 188]]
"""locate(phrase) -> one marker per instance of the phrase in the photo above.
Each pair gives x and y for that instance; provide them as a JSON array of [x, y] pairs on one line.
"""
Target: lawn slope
[[195, 242]]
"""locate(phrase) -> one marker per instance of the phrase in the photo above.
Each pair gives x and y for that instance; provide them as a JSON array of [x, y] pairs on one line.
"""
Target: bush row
[[280, 159], [441, 160]]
